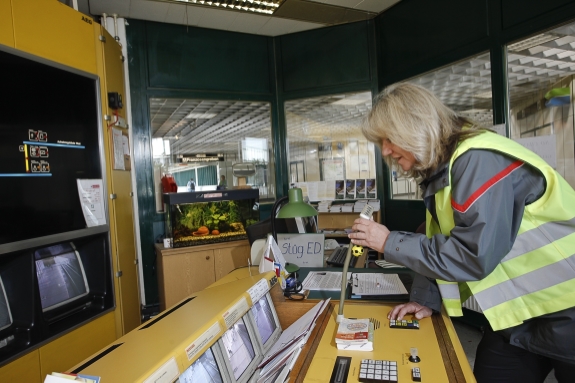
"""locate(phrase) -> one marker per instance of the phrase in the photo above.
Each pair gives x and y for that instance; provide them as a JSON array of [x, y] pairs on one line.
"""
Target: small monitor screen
[[203, 370], [238, 348], [61, 277], [5, 314], [264, 318]]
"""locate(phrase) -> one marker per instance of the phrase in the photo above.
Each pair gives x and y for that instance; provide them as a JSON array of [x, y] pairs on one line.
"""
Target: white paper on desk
[[282, 359], [293, 334], [323, 280], [377, 284]]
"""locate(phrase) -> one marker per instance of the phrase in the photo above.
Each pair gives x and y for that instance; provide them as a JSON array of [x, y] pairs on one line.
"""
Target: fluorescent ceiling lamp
[[356, 99], [483, 94], [252, 6], [201, 116]]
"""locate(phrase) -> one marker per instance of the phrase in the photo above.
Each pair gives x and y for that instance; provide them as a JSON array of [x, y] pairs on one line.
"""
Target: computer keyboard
[[337, 258]]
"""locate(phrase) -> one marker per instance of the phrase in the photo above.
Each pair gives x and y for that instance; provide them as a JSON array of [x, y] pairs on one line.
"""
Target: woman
[[500, 225]]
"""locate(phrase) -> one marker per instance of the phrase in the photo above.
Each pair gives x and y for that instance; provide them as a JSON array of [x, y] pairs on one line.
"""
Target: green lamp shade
[[296, 207]]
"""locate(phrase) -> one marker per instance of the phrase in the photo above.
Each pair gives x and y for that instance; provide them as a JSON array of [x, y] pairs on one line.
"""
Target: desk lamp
[[295, 208], [366, 213]]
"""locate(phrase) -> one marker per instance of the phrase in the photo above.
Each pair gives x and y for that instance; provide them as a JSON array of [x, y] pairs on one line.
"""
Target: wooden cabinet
[[339, 221], [185, 270]]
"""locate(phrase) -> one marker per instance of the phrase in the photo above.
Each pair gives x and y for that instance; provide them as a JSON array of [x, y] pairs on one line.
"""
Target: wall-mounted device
[[115, 100]]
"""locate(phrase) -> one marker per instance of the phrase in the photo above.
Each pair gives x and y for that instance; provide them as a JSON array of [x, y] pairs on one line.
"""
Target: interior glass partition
[[217, 143], [328, 155], [465, 87], [540, 82]]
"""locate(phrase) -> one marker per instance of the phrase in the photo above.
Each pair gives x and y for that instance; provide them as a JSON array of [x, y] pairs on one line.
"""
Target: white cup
[[167, 242]]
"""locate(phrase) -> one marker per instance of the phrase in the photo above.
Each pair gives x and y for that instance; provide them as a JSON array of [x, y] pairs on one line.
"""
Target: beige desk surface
[[442, 357]]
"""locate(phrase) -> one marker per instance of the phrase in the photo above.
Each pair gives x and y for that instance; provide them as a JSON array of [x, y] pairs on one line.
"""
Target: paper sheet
[[324, 280], [91, 193], [290, 337], [377, 284]]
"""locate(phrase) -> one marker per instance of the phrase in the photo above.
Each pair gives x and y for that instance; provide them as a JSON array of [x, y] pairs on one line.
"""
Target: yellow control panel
[[389, 344]]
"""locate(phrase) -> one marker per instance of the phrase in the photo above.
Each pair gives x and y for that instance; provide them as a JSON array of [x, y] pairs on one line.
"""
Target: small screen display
[[60, 274], [238, 348], [5, 314], [203, 370], [264, 318]]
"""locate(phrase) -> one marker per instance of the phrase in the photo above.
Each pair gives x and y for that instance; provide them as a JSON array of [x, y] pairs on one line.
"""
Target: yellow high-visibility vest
[[537, 276]]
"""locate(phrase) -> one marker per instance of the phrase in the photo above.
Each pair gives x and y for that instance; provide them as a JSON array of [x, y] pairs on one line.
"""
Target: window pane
[[326, 146], [540, 74], [465, 87], [208, 139]]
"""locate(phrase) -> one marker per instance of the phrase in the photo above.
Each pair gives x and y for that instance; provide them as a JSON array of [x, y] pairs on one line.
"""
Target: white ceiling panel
[[195, 14], [277, 27], [176, 14], [375, 6], [248, 23], [107, 6], [217, 19], [151, 10]]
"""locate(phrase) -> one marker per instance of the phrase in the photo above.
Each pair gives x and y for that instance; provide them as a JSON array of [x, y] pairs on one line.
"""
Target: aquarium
[[206, 217]]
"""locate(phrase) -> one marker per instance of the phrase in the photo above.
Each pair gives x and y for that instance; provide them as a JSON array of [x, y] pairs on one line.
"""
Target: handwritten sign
[[303, 250]]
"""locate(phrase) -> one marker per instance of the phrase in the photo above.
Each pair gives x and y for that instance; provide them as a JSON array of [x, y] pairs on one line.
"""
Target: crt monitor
[[267, 325], [5, 313], [60, 274], [204, 370], [5, 317], [240, 351], [46, 150]]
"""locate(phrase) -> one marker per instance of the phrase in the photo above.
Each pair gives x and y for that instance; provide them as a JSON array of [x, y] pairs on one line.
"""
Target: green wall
[[167, 60], [412, 37]]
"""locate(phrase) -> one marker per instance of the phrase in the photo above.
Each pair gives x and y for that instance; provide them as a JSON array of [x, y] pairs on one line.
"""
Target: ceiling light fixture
[[252, 6]]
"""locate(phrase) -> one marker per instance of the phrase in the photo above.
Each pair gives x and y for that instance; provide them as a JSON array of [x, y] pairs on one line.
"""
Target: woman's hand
[[369, 233], [399, 311]]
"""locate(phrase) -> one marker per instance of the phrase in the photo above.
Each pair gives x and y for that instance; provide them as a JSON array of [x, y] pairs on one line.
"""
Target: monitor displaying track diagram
[[60, 274]]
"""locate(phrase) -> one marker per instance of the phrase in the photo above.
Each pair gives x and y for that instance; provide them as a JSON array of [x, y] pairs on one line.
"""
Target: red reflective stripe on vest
[[483, 188]]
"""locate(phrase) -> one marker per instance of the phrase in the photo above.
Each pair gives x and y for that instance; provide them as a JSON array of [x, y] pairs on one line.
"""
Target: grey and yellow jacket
[[502, 223]]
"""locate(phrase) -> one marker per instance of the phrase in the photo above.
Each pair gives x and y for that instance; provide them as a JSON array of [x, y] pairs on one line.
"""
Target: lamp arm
[[343, 284], [275, 209]]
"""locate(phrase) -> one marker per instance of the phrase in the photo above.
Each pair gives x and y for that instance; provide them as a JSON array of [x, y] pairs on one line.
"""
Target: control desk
[[169, 345]]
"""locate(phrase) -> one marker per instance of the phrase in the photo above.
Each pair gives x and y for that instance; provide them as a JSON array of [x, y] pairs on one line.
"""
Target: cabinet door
[[6, 27], [230, 258], [187, 273]]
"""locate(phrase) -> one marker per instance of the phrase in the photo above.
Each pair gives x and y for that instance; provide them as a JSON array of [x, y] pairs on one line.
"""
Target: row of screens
[[234, 358], [61, 280]]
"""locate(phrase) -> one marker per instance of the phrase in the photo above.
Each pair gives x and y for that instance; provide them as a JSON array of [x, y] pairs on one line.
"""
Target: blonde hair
[[414, 119]]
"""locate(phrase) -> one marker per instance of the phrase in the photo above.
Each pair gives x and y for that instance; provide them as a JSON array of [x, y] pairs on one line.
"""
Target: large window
[[328, 154], [540, 72], [213, 142], [465, 87]]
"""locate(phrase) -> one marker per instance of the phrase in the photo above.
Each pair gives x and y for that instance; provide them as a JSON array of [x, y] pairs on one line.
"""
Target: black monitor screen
[[61, 277], [264, 318], [48, 139], [238, 348], [5, 314], [203, 370]]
